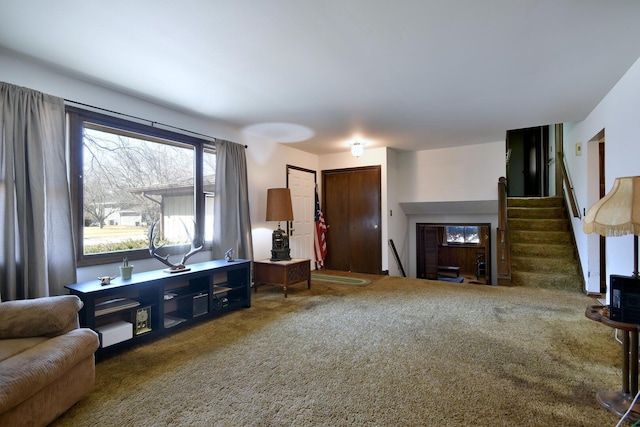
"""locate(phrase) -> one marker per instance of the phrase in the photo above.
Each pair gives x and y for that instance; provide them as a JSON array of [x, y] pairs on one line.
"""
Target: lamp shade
[[279, 206], [617, 213]]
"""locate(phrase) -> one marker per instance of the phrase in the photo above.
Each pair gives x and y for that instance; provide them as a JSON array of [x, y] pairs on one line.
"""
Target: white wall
[[266, 161], [451, 174], [22, 72], [618, 115], [397, 220]]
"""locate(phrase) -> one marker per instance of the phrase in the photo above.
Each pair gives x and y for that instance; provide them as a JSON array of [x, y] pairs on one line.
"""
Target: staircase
[[542, 250]]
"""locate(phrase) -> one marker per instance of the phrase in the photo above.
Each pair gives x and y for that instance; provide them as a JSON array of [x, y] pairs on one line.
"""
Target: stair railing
[[504, 257], [570, 193]]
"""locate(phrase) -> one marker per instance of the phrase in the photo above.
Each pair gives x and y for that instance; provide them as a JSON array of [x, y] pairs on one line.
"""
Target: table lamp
[[618, 214], [279, 208]]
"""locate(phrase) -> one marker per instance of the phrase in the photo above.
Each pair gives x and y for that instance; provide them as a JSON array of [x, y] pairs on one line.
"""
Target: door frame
[[596, 244], [312, 206]]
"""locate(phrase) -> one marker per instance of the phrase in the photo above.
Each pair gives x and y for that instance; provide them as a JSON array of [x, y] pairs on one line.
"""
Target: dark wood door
[[531, 167], [528, 172], [352, 209], [337, 218]]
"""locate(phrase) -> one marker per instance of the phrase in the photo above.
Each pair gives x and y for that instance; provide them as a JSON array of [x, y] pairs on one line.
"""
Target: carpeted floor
[[397, 352]]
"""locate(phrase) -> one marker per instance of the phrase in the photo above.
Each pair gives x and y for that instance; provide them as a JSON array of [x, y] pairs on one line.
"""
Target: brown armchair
[[46, 360]]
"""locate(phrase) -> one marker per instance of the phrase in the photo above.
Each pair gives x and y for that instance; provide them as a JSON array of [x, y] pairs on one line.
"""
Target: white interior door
[[301, 229]]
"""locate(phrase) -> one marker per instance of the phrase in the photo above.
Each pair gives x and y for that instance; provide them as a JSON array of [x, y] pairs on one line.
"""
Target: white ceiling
[[408, 74]]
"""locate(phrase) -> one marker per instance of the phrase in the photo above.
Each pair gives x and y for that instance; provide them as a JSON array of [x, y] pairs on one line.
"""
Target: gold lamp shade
[[617, 213], [279, 206]]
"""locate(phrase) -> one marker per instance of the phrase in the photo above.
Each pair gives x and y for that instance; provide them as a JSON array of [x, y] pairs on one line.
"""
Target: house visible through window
[[463, 234], [130, 176]]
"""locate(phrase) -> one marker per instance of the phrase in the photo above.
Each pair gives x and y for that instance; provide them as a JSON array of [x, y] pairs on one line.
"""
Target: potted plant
[[126, 269]]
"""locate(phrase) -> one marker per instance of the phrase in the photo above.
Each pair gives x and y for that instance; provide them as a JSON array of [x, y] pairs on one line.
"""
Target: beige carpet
[[398, 352]]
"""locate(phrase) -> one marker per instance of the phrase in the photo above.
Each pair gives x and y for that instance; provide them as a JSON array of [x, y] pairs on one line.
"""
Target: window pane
[[455, 234], [209, 180], [131, 181], [471, 234]]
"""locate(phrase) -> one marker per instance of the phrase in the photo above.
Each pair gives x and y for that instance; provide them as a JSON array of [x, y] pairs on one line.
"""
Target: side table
[[281, 273], [619, 402]]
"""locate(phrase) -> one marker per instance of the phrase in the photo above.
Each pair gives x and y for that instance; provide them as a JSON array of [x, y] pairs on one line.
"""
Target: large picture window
[[127, 176]]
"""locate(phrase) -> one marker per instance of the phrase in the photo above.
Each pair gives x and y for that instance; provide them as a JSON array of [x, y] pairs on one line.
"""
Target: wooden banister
[[570, 193], [504, 257]]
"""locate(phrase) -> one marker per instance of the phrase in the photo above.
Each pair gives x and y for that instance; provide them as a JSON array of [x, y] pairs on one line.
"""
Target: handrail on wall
[[571, 195], [504, 257]]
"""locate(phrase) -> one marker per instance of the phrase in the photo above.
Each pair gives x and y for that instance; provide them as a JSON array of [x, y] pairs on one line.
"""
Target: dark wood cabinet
[[281, 273], [154, 303]]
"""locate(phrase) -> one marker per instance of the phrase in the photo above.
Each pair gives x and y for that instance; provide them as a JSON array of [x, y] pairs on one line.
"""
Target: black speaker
[[624, 299]]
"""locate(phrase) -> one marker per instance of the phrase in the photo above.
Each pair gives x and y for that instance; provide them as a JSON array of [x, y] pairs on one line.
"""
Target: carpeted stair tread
[[539, 224], [545, 265], [547, 280], [532, 202], [529, 236], [540, 250], [540, 213]]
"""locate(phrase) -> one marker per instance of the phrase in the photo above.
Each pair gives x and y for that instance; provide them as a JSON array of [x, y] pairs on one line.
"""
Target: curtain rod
[[153, 123]]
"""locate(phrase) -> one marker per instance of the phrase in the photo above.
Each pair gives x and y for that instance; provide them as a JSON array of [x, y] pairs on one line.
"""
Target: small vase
[[125, 271]]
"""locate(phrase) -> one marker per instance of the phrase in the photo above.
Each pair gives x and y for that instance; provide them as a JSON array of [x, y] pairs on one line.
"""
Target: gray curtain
[[37, 251], [232, 222]]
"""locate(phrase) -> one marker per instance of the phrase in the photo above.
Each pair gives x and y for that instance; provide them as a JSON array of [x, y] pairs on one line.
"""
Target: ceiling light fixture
[[357, 148]]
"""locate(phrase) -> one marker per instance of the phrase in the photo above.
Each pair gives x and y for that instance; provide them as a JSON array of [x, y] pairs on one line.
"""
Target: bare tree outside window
[[131, 181]]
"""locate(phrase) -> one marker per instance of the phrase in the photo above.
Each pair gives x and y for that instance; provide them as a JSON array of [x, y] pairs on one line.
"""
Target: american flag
[[320, 244]]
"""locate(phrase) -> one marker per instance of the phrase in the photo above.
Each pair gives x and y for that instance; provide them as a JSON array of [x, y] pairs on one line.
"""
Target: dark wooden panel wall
[[460, 256]]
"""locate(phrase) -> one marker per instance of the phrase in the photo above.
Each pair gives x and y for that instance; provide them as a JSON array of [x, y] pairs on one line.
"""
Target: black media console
[[154, 303]]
